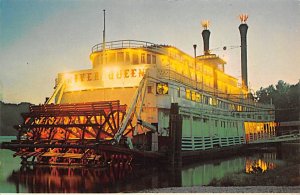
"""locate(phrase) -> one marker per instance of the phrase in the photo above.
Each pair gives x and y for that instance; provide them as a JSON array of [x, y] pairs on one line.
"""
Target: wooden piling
[[175, 135]]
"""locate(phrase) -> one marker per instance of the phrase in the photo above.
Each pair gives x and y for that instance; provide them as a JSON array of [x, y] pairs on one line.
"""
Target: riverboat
[[126, 97]]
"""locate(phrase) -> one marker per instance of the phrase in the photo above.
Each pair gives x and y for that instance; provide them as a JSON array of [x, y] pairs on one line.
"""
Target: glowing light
[[243, 18], [205, 24], [68, 76], [258, 166], [109, 69]]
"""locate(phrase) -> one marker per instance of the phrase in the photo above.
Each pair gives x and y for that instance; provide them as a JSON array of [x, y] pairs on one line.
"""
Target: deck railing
[[126, 44]]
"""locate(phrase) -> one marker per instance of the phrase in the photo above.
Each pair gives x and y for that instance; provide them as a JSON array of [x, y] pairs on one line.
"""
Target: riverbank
[[211, 189], [284, 178]]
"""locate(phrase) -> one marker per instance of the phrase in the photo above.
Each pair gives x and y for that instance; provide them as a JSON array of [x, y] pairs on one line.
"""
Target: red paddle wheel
[[81, 133]]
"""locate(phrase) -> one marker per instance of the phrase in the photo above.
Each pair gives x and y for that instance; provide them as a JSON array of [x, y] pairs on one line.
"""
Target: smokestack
[[205, 36], [243, 32]]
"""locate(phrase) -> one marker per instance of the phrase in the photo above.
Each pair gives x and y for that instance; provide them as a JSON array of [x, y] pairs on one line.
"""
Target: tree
[[285, 97]]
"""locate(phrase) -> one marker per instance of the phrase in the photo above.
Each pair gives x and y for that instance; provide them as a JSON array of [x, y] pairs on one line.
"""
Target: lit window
[[127, 58], [100, 59], [214, 101], [210, 101], [193, 95], [135, 58], [120, 57], [153, 59], [105, 59], [162, 88], [178, 92], [198, 97], [239, 108], [188, 94], [148, 59], [112, 58], [143, 61]]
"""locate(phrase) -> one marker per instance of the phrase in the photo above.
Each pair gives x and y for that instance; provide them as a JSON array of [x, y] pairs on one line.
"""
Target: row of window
[[163, 89], [227, 124], [223, 124], [127, 58], [197, 97]]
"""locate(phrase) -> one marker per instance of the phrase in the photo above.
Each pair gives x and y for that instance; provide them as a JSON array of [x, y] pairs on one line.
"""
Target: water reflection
[[261, 163], [205, 173], [53, 179]]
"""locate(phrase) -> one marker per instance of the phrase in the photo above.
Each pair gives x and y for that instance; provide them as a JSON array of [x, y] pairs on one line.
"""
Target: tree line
[[285, 97]]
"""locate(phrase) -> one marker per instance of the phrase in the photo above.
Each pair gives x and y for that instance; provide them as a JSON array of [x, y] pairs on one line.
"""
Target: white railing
[[125, 44]]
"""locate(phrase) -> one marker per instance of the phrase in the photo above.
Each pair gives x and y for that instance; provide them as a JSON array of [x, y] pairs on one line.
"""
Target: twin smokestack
[[243, 32]]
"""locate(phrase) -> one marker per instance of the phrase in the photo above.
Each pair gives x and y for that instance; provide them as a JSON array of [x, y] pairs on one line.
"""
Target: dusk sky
[[40, 38]]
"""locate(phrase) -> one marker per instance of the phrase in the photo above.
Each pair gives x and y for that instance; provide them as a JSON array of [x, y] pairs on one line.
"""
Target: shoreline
[[231, 189]]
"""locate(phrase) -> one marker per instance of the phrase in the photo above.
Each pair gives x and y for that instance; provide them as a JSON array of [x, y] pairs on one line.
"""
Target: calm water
[[14, 178]]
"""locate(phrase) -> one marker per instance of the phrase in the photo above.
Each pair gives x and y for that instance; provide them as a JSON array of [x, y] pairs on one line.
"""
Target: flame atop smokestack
[[205, 24], [243, 18]]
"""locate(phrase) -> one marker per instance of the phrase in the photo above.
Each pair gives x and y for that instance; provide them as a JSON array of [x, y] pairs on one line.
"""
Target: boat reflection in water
[[118, 178], [261, 165], [53, 179], [203, 174]]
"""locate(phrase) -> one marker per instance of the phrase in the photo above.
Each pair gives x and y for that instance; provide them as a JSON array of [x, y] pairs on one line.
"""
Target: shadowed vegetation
[[286, 99]]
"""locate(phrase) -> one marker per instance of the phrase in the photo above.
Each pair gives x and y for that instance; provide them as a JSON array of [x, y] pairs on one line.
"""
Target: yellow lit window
[[153, 59], [239, 108], [188, 94], [210, 101], [105, 59], [135, 58], [120, 57], [198, 97], [112, 58], [148, 59], [143, 60], [178, 92], [214, 101], [127, 58], [193, 95], [162, 88], [100, 58]]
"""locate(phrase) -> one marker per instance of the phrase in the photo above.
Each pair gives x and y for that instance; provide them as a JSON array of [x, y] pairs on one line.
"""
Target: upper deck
[[122, 64], [207, 70], [125, 44]]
